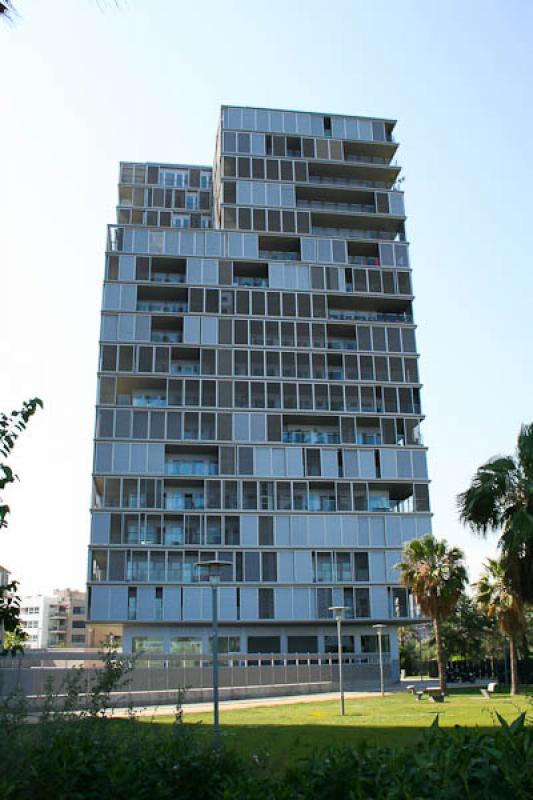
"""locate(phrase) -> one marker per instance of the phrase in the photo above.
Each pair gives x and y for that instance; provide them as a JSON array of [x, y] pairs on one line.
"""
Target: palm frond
[[482, 505]]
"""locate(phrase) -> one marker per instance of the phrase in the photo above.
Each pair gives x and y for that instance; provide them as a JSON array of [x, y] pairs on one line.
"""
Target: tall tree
[[11, 426], [435, 574], [495, 596], [500, 498]]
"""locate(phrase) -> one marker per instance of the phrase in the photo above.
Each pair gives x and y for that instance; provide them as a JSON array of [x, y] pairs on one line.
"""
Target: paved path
[[234, 705]]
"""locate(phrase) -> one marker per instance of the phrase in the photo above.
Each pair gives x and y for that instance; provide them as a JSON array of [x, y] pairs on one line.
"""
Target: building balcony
[[165, 308], [358, 183], [148, 400], [342, 344], [182, 368], [310, 437], [369, 316], [250, 282], [179, 467], [279, 255], [166, 337], [188, 501], [364, 261], [168, 277], [325, 205], [358, 233]]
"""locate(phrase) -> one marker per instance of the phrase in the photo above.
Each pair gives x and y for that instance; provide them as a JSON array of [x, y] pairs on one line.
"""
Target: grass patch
[[289, 732]]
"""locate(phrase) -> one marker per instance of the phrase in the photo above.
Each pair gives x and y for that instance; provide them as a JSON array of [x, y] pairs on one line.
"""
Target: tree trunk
[[514, 665], [440, 654]]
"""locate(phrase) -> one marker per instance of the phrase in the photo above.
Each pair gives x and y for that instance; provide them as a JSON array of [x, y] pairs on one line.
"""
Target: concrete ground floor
[[358, 638]]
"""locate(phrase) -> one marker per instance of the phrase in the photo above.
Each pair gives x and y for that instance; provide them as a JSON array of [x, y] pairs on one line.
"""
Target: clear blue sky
[[86, 84]]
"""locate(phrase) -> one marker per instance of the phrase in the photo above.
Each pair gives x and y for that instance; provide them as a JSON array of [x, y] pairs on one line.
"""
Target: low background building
[[57, 620]]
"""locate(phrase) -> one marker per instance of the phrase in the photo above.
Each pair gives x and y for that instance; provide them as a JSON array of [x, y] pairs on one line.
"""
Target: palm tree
[[500, 497], [499, 601], [435, 574]]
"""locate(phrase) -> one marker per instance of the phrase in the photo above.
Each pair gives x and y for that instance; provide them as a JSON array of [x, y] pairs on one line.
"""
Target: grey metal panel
[[393, 531], [377, 531], [99, 603], [295, 466], [420, 468], [128, 297], [283, 603], [191, 330], [121, 457], [103, 456], [138, 458], [351, 463], [379, 607], [249, 604], [405, 469], [316, 530], [118, 602], [126, 328], [192, 603], [249, 530], [423, 526], [126, 268], [227, 603], [145, 603], [301, 604], [286, 566], [156, 458], [378, 572], [393, 557], [367, 464], [333, 531], [329, 463], [171, 604], [111, 298], [388, 463], [100, 522], [257, 427], [263, 466], [209, 330], [282, 530], [350, 530], [364, 531], [410, 529], [109, 328], [276, 276], [303, 566], [143, 324], [210, 271], [299, 530], [241, 427]]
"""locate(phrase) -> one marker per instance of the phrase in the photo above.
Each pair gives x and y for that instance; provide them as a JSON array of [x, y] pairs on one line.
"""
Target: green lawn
[[287, 732]]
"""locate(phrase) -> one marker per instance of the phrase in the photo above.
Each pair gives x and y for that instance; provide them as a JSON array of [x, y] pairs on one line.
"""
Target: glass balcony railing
[[364, 261], [186, 502], [168, 337], [310, 437], [191, 468], [369, 316], [168, 277], [184, 369], [368, 438], [349, 182], [358, 233], [342, 344], [366, 159], [150, 401], [260, 283], [381, 504], [324, 205], [164, 308], [279, 255], [321, 504]]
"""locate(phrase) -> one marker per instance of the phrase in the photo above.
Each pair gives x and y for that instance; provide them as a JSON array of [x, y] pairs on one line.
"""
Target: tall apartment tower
[[259, 395]]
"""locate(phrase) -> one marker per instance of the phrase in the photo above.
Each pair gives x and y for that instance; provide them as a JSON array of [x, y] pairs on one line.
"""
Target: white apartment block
[[258, 393]]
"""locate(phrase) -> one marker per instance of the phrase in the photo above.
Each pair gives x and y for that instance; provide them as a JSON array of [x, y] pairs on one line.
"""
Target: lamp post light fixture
[[379, 628], [337, 611], [214, 568]]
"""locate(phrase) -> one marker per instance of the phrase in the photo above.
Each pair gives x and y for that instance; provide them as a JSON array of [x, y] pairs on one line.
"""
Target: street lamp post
[[337, 611], [379, 628], [214, 568]]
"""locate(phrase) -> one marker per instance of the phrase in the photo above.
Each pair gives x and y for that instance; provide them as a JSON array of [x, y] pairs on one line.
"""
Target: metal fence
[[155, 676]]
